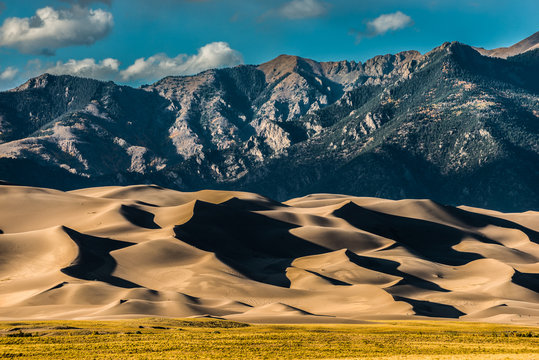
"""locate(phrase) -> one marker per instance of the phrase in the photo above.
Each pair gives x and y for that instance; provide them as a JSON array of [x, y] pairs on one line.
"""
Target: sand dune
[[120, 252]]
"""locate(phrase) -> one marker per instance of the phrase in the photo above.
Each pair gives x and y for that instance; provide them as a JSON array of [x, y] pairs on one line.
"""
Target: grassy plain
[[214, 339]]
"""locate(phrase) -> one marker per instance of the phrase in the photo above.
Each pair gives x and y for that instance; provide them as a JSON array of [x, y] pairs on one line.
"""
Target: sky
[[136, 42]]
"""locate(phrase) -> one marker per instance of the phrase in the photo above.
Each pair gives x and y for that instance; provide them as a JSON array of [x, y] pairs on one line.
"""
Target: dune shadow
[[331, 280], [94, 261], [253, 204], [257, 246], [261, 248], [139, 217], [526, 280], [481, 220], [431, 309], [140, 202], [391, 267], [427, 239]]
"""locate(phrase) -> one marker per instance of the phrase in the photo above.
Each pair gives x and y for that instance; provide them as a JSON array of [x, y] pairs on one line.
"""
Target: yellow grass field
[[152, 338]]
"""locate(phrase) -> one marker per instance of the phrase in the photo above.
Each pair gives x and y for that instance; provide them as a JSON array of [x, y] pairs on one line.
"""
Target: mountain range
[[459, 125]]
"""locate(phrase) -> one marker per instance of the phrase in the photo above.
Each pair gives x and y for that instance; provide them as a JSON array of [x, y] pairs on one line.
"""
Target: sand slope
[[116, 252]]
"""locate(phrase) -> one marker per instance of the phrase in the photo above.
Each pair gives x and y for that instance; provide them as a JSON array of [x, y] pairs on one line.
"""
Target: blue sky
[[139, 41]]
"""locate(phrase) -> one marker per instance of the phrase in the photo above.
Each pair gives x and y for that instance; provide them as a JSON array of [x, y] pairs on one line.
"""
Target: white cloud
[[9, 73], [50, 29], [106, 69], [153, 68], [302, 9], [384, 23], [213, 55]]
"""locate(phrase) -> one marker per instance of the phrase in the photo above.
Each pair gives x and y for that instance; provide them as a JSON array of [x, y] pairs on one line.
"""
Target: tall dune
[[120, 252]]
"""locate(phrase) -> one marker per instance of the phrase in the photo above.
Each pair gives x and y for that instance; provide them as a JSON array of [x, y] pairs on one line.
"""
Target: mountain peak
[[37, 82], [529, 43], [448, 45], [285, 64], [46, 80], [282, 60]]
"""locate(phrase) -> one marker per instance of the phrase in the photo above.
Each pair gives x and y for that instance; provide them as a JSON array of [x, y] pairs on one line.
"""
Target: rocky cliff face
[[451, 125]]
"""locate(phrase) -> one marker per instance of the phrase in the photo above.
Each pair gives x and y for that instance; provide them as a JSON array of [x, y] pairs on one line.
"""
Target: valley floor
[[159, 338]]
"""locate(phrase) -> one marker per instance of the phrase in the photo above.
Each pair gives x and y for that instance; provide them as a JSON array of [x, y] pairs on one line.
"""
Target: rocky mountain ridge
[[528, 44], [451, 125]]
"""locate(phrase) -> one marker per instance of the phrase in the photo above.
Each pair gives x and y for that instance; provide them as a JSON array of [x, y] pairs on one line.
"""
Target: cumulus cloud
[[9, 73], [384, 23], [51, 29], [302, 9], [106, 69], [213, 55]]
